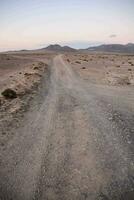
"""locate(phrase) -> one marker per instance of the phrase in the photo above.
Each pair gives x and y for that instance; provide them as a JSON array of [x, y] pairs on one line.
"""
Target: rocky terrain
[[21, 77], [107, 69], [66, 126]]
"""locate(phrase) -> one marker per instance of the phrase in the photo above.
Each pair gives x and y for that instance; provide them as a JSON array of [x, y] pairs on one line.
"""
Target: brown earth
[[107, 69], [73, 138], [23, 74]]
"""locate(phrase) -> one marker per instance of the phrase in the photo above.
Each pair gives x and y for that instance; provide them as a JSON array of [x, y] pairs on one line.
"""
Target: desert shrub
[[9, 93], [83, 67], [124, 81], [27, 74], [78, 62], [118, 66], [68, 60], [36, 67], [129, 70], [46, 65]]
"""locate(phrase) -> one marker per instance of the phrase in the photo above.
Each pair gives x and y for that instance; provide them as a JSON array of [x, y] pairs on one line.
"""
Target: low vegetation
[[9, 93], [78, 62], [129, 70], [85, 60]]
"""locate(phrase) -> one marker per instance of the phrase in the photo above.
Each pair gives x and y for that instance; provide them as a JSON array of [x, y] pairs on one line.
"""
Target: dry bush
[[123, 80], [129, 70], [83, 67], [78, 62], [85, 60], [36, 68], [9, 93]]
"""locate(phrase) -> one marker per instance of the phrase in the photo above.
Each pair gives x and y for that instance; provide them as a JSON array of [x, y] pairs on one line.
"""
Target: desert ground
[[68, 134]]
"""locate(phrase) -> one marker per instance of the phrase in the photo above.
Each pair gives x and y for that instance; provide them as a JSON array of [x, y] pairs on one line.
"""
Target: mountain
[[57, 47], [119, 48]]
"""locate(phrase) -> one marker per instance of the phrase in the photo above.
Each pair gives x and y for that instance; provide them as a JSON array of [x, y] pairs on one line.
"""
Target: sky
[[33, 24]]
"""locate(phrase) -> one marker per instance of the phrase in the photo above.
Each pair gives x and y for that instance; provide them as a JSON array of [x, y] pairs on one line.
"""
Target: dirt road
[[77, 146]]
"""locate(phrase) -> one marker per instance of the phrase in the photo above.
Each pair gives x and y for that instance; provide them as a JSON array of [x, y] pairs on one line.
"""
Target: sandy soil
[[14, 66], [75, 142], [23, 73], [108, 69]]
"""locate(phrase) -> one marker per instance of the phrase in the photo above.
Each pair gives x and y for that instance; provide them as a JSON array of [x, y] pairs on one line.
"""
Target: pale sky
[[29, 24]]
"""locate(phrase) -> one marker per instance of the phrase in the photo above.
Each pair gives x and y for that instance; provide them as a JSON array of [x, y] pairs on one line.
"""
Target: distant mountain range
[[118, 48], [115, 48], [59, 48]]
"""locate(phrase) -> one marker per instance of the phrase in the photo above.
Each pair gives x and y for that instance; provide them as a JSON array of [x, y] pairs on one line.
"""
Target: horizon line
[[63, 45]]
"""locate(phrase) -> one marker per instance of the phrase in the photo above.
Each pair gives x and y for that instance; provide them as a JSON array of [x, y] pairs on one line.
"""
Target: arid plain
[[68, 133]]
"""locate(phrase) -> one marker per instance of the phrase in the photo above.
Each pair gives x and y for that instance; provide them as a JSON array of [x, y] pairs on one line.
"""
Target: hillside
[[120, 48], [57, 47]]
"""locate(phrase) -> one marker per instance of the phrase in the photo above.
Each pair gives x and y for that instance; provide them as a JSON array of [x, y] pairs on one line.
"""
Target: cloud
[[113, 36]]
